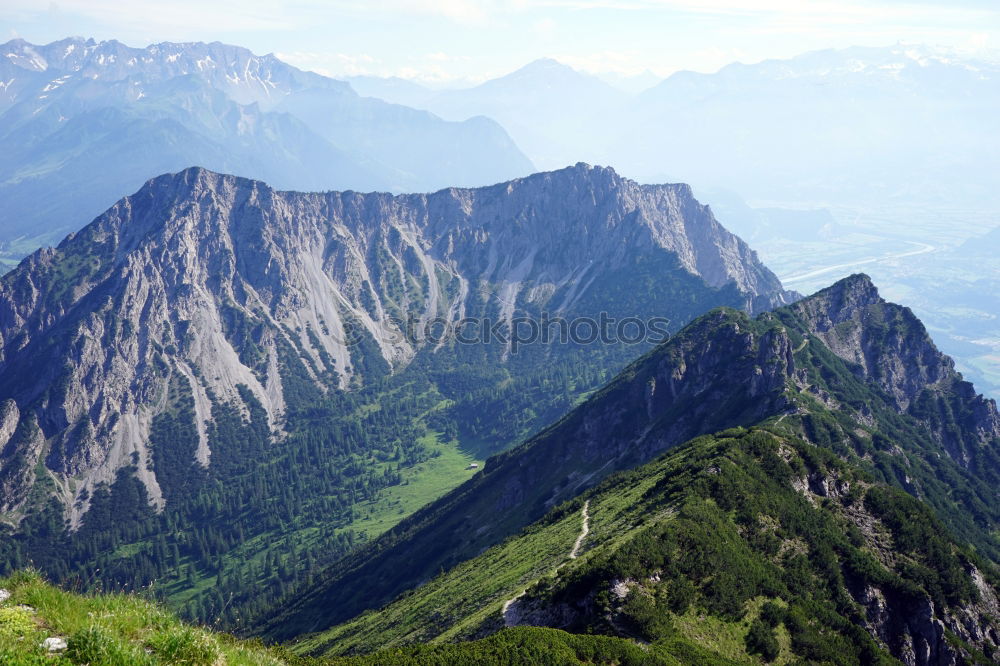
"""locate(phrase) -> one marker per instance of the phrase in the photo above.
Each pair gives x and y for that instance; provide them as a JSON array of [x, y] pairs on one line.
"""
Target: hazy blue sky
[[468, 39]]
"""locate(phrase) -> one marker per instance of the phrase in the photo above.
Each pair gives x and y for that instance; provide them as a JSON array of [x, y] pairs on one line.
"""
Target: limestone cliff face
[[217, 279]]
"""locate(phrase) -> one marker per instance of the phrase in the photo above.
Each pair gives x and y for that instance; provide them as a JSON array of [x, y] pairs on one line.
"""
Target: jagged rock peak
[[887, 345], [847, 296], [885, 341]]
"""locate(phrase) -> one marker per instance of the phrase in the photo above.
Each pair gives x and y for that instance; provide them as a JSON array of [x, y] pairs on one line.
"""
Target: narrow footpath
[[509, 611]]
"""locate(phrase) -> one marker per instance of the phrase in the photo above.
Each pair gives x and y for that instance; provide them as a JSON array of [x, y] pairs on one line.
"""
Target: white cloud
[[249, 15], [825, 8], [544, 27], [460, 11], [465, 11], [233, 15]]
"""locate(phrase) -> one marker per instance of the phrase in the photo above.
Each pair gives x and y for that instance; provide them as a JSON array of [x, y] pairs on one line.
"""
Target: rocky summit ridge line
[[168, 283]]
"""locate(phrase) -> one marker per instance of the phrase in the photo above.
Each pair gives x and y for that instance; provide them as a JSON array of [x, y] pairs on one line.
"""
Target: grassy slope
[[462, 598], [530, 646], [111, 630], [128, 630], [464, 595], [774, 549], [470, 595]]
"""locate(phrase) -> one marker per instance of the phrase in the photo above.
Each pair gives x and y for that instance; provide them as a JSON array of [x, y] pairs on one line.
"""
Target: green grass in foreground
[[128, 630], [110, 630]]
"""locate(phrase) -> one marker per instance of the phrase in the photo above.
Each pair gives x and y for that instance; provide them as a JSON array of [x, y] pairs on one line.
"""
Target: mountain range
[[562, 417], [237, 392], [208, 322], [82, 123], [858, 126]]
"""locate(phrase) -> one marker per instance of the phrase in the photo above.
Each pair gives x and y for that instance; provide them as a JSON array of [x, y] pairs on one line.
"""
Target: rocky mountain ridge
[[226, 286], [721, 371], [890, 348]]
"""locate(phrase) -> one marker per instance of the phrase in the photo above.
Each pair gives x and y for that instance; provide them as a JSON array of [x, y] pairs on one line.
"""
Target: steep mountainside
[[901, 418], [83, 123], [259, 362], [753, 544]]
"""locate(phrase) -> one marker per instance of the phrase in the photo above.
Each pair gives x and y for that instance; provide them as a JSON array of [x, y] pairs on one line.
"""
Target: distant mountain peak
[[549, 68], [851, 293], [228, 66], [547, 63], [91, 121]]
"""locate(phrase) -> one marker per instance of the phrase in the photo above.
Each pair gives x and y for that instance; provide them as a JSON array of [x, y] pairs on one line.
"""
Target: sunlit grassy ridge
[[714, 548], [129, 630], [110, 630]]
